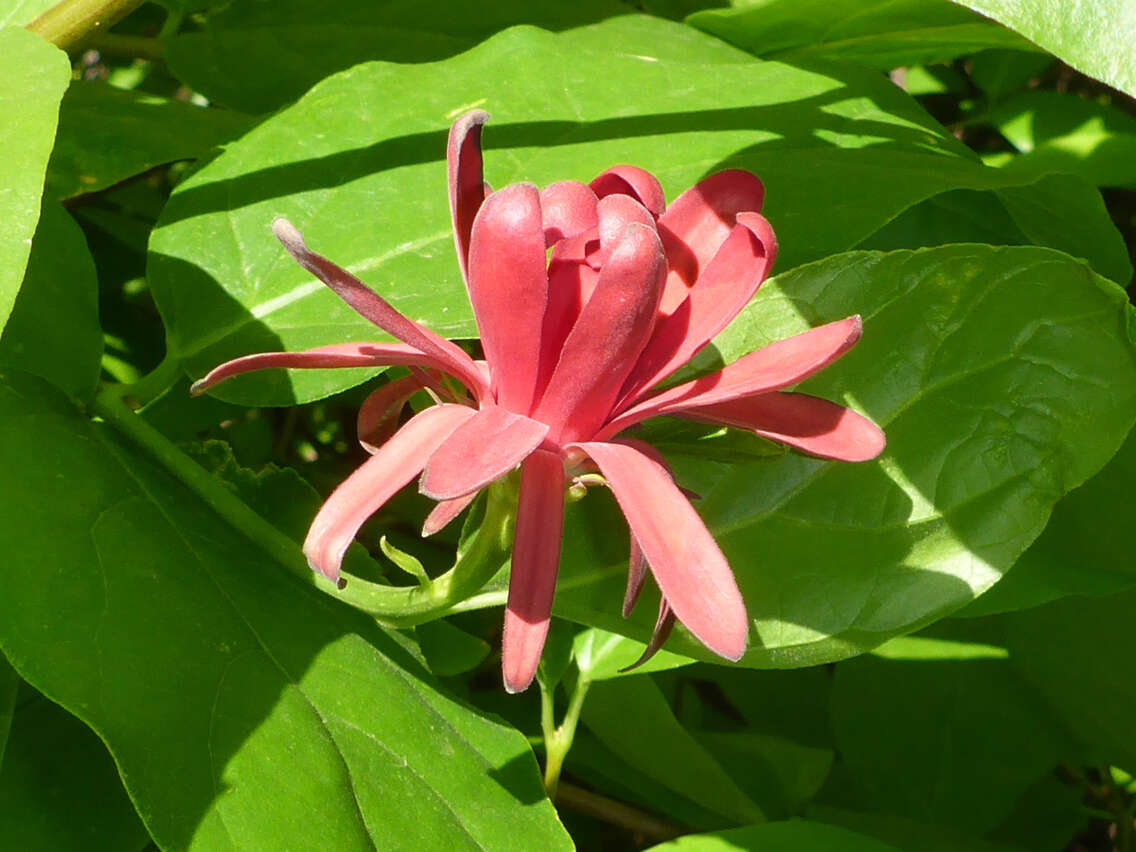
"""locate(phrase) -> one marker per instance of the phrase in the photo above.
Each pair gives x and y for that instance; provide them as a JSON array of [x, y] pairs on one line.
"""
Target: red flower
[[574, 348]]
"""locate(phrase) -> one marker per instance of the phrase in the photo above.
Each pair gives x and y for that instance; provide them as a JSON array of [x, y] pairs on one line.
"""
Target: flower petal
[[812, 425], [508, 287], [634, 181], [636, 575], [567, 208], [378, 416], [614, 214], [536, 559], [770, 368], [725, 287], [444, 512], [664, 624], [484, 448], [364, 492], [691, 571], [607, 338], [447, 355], [571, 282], [698, 222], [323, 357], [466, 179]]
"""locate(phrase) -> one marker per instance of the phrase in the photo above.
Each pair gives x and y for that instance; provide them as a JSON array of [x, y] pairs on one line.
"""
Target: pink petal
[[615, 213], [323, 357], [691, 571], [610, 333], [634, 181], [509, 290], [484, 448], [441, 515], [725, 287], [812, 425], [571, 282], [536, 559], [698, 222], [467, 186], [770, 368], [378, 416], [363, 493], [568, 208], [447, 355]]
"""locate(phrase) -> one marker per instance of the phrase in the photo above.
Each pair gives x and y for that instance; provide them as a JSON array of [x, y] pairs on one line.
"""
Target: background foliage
[[941, 647]]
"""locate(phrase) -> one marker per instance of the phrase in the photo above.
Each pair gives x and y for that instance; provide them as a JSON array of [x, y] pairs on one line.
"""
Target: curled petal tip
[[331, 572], [198, 388], [289, 235]]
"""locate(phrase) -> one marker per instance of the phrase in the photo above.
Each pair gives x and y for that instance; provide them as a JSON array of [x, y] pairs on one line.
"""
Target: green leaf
[[1065, 133], [1095, 38], [258, 57], [1003, 378], [243, 708], [107, 135], [1077, 653], [904, 833], [841, 152], [9, 684], [1080, 552], [998, 73], [59, 788], [17, 13], [601, 655], [448, 650], [632, 718], [35, 75], [792, 836], [949, 742], [778, 774], [54, 328], [882, 35]]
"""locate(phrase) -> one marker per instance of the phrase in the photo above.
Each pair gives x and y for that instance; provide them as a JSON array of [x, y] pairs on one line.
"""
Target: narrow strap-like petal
[[369, 304], [571, 282], [634, 181], [664, 624], [770, 368], [698, 222], [536, 559], [486, 447], [725, 287], [378, 416], [608, 337], [466, 178], [364, 492], [636, 574], [691, 571], [814, 426], [508, 286], [568, 208], [323, 357], [444, 512]]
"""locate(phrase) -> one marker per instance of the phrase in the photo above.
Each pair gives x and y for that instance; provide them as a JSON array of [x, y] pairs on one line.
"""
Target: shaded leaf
[[298, 721], [449, 650], [778, 774], [1003, 379], [35, 76], [601, 655]]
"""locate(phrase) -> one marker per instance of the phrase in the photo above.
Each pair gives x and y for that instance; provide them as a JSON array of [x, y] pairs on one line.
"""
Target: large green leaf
[[1003, 379], [9, 685], [953, 742], [1078, 653], [54, 328], [259, 56], [107, 135], [841, 152], [59, 788], [1094, 36], [20, 12], [35, 75], [1081, 551], [885, 35], [244, 709], [792, 836]]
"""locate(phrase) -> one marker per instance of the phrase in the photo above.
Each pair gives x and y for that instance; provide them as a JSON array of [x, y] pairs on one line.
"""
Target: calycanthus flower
[[575, 343]]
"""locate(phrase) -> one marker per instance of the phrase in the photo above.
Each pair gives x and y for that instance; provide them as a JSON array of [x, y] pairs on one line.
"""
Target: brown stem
[[614, 813]]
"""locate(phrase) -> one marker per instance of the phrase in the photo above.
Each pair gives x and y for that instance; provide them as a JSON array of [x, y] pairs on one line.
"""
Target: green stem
[[396, 606], [71, 22], [558, 741]]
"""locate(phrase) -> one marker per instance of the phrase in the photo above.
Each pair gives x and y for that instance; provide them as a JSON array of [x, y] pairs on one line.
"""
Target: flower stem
[[71, 22], [558, 740], [395, 606], [615, 813]]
